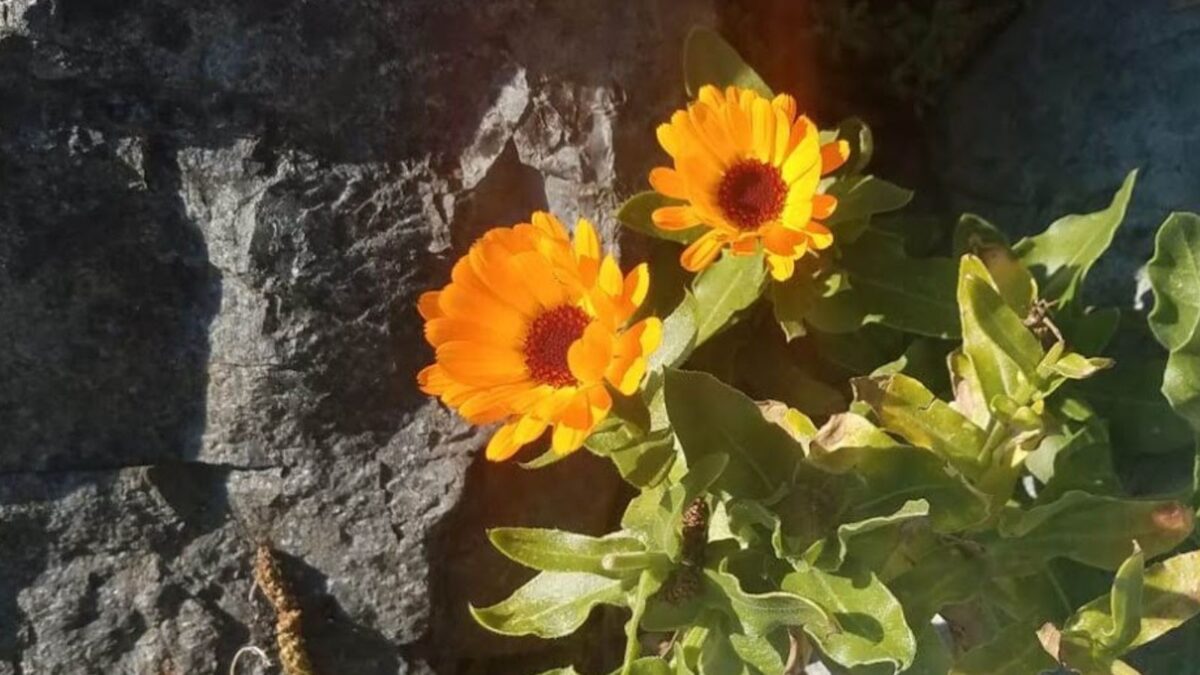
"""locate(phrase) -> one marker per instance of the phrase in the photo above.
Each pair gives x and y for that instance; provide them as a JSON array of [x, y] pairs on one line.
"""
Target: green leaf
[[933, 656], [1074, 460], [1126, 605], [551, 605], [1130, 398], [648, 584], [565, 670], [862, 145], [975, 236], [708, 59], [1170, 596], [710, 418], [894, 474], [768, 370], [722, 290], [1174, 274], [906, 408], [1089, 332], [637, 214], [647, 666], [1091, 529], [1004, 353], [868, 625], [1061, 256], [558, 551], [1014, 651], [863, 539], [910, 294], [1181, 385], [948, 574], [859, 198], [758, 652], [761, 613]]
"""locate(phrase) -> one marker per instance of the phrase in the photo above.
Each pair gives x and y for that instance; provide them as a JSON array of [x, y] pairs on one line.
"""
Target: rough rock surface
[[214, 221], [1071, 97]]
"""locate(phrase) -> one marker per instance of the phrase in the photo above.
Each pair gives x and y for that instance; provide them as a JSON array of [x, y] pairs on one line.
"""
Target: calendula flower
[[531, 328], [748, 169]]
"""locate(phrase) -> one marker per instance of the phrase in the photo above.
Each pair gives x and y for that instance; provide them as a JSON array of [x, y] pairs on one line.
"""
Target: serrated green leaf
[[868, 625], [761, 613], [637, 214], [709, 59], [1170, 596], [710, 417], [551, 605], [915, 295], [1091, 529], [906, 408], [861, 539], [558, 551], [1174, 274], [1061, 256]]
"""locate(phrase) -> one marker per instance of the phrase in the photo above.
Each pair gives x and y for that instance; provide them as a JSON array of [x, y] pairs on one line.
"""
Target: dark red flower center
[[550, 336], [751, 193]]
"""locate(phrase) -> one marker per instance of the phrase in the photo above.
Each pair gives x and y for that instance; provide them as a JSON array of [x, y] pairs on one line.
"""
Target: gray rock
[[1072, 96], [215, 219]]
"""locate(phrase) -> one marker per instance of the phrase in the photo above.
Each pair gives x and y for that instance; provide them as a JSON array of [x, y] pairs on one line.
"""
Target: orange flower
[[748, 169], [529, 330]]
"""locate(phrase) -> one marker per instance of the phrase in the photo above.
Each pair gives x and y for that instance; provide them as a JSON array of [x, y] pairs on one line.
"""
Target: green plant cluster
[[791, 510]]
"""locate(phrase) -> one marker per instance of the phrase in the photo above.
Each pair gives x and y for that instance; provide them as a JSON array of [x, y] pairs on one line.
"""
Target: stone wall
[[214, 221]]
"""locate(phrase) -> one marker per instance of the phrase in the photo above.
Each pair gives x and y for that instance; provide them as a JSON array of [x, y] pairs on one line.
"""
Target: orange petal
[[780, 240], [797, 213], [427, 305], [674, 218], [505, 443], [626, 374], [833, 156], [433, 380], [823, 206], [589, 355], [668, 182], [668, 138], [586, 243], [634, 290], [782, 267], [449, 329], [702, 252], [549, 225], [744, 246], [785, 104], [480, 364], [819, 236], [599, 402], [651, 334]]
